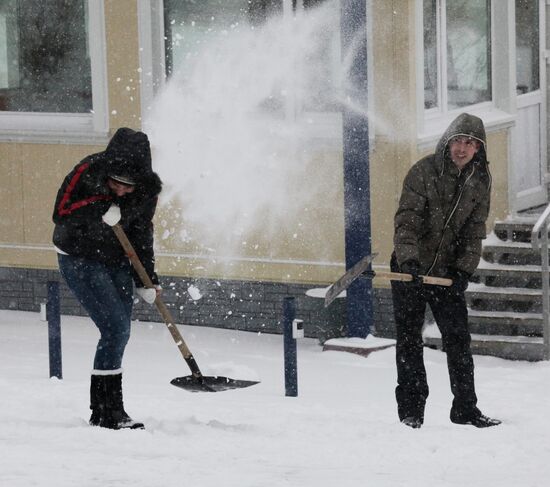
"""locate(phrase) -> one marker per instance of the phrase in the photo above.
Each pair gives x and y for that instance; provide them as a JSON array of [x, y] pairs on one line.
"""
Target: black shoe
[[480, 421], [412, 422]]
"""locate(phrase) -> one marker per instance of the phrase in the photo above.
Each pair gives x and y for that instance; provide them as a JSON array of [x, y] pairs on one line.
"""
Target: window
[[457, 54], [46, 66], [195, 32], [46, 63]]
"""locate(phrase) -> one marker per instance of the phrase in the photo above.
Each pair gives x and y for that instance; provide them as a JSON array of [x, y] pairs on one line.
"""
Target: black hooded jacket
[[442, 211], [84, 197]]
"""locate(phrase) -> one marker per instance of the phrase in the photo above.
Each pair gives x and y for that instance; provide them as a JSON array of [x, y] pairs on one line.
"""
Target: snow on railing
[[539, 241]]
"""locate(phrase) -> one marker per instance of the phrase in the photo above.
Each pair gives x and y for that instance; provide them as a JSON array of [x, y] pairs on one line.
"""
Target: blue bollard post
[[54, 329], [291, 366]]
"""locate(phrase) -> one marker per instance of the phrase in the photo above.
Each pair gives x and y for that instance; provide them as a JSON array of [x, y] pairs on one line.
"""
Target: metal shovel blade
[[196, 382], [210, 384]]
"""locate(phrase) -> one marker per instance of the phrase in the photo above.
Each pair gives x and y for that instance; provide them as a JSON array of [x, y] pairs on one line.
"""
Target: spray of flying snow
[[224, 134]]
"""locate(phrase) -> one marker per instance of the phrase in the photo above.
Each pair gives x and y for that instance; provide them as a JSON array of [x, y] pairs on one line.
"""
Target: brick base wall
[[237, 305]]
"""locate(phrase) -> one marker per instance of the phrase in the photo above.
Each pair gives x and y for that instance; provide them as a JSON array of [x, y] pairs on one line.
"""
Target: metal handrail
[[539, 241]]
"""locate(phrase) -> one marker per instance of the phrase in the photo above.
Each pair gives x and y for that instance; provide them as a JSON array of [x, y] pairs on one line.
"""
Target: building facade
[[243, 104]]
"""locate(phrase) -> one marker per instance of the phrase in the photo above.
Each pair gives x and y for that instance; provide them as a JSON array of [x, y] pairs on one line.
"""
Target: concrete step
[[511, 348], [505, 304], [499, 275], [507, 252], [488, 298], [477, 291], [517, 229], [504, 323]]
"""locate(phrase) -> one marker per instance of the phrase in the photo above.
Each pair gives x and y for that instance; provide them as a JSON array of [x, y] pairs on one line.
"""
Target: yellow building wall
[[30, 174], [394, 116], [305, 245], [123, 71]]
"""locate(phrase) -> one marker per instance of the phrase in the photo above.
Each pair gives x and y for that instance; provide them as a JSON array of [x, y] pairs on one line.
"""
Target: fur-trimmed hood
[[469, 126]]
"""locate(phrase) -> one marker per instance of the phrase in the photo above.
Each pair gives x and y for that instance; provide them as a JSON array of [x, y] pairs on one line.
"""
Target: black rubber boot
[[97, 399], [114, 416]]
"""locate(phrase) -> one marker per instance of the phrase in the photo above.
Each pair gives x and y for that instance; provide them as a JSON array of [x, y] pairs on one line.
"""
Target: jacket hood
[[467, 125], [128, 155]]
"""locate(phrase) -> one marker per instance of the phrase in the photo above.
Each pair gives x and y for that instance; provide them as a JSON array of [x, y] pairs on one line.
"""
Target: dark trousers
[[105, 292], [451, 315]]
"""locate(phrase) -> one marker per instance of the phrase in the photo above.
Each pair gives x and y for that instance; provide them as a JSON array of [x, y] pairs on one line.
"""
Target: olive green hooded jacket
[[442, 212]]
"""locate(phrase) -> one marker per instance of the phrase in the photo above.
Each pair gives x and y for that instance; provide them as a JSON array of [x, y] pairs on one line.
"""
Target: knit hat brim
[[125, 179]]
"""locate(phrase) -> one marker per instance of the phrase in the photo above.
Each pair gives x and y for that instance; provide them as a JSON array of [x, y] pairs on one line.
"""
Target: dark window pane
[[468, 52], [44, 57], [198, 33], [527, 46], [191, 26]]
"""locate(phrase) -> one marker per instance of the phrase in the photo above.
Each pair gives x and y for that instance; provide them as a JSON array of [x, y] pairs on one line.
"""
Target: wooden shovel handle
[[162, 308], [397, 276]]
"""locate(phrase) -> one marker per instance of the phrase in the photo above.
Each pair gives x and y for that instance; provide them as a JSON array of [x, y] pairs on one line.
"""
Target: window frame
[[45, 127], [498, 113], [442, 61]]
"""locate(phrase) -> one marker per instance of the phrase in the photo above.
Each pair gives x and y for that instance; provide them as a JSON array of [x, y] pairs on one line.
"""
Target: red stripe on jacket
[[62, 210]]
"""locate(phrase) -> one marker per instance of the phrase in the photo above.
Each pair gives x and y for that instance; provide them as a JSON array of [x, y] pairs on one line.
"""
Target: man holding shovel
[[439, 226], [117, 185]]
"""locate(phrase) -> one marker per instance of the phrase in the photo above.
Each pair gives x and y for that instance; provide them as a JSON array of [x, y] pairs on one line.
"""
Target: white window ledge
[[493, 119], [54, 136], [52, 128]]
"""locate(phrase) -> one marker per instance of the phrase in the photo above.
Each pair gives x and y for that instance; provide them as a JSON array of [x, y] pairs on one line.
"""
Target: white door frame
[[537, 195]]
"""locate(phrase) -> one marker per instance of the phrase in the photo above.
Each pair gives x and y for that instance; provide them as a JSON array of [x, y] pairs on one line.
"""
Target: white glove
[[148, 294], [112, 215]]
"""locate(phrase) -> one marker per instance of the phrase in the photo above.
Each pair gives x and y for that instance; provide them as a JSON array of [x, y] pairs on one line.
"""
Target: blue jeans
[[105, 292]]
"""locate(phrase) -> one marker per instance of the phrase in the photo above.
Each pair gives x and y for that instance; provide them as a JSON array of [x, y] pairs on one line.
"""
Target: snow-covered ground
[[341, 430]]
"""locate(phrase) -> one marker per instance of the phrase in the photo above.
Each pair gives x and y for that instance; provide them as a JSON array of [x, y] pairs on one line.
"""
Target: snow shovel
[[361, 270], [195, 382]]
